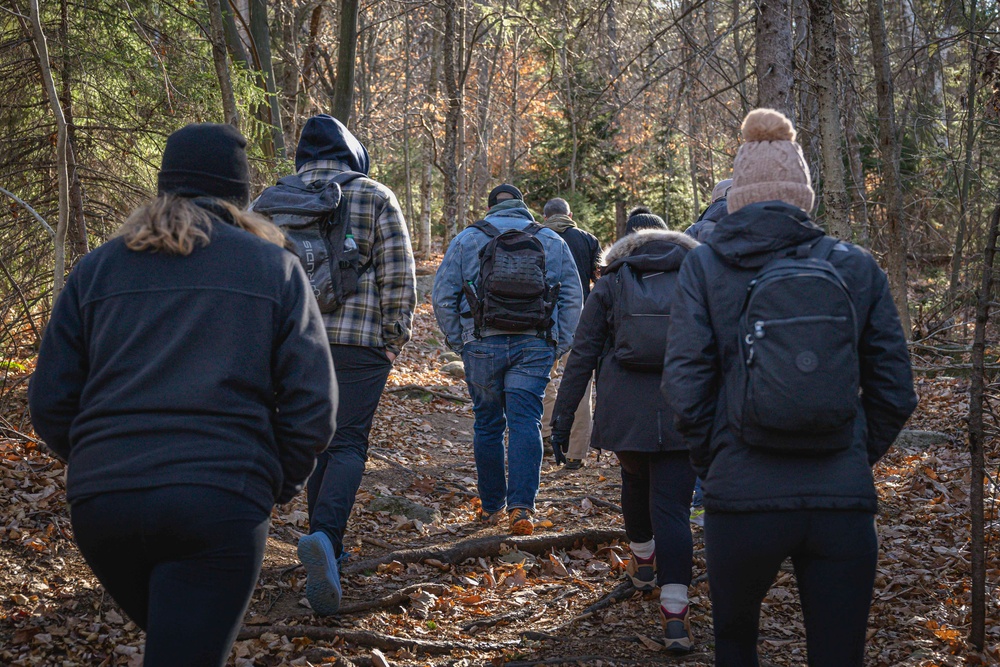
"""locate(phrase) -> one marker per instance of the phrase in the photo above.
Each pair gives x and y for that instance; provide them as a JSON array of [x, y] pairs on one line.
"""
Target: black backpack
[[319, 231], [513, 294], [799, 338], [642, 317]]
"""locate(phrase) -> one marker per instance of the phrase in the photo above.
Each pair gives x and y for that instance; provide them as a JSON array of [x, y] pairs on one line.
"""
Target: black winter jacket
[[631, 413], [210, 369], [703, 227], [703, 357]]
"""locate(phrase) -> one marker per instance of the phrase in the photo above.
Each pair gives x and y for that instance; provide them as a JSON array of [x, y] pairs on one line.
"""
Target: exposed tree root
[[433, 392], [372, 639], [487, 547], [402, 596]]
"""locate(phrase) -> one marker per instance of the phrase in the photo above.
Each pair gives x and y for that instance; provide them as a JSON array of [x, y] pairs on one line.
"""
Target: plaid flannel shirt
[[381, 313]]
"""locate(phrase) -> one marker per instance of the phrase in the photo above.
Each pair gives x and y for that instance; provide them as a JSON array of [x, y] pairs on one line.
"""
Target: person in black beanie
[[186, 380], [641, 217]]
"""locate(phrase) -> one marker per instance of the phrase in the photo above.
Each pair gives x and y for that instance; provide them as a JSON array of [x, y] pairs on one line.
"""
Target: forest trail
[[476, 598]]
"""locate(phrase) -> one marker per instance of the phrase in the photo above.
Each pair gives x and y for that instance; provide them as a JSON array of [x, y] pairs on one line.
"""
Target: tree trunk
[[741, 59], [453, 117], [270, 112], [343, 91], [892, 187], [407, 175], [824, 40], [977, 435], [970, 136], [217, 29], [774, 57], [859, 197], [427, 176], [77, 231], [62, 170]]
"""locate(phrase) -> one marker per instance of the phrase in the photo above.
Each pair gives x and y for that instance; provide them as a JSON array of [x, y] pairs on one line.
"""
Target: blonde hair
[[176, 226]]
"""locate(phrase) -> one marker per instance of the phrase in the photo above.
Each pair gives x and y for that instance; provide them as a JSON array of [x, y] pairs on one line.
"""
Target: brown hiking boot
[[520, 522], [676, 631], [642, 572]]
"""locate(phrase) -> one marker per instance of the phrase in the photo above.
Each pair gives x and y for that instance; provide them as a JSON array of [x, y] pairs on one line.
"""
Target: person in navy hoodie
[[186, 378]]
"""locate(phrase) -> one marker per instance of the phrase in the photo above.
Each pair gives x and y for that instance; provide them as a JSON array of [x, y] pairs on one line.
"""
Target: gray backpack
[[318, 229], [642, 317], [799, 339]]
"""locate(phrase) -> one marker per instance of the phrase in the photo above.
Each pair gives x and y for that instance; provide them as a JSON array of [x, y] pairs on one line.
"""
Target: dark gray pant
[[834, 553], [656, 502], [182, 561], [361, 375]]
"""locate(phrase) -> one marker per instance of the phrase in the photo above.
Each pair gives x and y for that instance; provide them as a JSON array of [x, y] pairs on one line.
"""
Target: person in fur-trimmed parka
[[633, 420]]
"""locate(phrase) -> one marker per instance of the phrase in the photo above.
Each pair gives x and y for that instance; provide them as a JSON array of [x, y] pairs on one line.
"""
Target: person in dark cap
[[502, 193], [641, 217], [507, 359], [365, 335], [186, 380]]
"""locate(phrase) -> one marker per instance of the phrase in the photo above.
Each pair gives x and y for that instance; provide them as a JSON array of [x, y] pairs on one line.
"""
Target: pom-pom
[[639, 210], [767, 125]]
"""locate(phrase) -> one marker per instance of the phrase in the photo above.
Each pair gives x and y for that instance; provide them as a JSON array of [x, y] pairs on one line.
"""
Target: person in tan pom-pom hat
[[788, 377], [769, 165]]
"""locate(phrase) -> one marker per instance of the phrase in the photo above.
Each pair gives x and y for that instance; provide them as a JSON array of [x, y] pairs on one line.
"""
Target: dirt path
[[514, 604]]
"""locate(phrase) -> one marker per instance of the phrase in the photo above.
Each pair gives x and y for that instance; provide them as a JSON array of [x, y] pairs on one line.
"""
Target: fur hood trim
[[629, 243]]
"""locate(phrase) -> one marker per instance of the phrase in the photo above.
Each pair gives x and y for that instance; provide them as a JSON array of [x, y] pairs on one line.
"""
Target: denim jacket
[[461, 265]]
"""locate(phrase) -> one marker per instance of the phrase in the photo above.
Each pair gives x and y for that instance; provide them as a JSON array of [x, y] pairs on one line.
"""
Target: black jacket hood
[[750, 237], [326, 138], [649, 250]]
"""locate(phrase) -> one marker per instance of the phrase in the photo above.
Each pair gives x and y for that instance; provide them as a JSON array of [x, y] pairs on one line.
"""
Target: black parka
[[703, 354], [631, 413]]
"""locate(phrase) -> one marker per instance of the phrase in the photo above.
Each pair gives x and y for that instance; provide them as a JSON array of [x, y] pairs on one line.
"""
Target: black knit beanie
[[506, 187], [641, 217], [206, 160]]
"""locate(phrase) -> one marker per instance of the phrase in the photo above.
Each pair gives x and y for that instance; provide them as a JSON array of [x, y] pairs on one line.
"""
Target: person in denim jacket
[[507, 372]]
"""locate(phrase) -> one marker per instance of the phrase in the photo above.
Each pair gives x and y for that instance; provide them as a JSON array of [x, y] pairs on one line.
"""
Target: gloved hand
[[560, 439]]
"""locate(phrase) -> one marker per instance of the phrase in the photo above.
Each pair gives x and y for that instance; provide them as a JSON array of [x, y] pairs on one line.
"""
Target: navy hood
[[326, 138], [750, 237]]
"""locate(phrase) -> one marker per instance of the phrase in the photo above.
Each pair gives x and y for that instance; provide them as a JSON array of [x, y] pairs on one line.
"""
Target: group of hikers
[[195, 372]]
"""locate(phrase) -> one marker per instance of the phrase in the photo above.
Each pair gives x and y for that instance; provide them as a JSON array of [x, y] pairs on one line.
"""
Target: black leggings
[[656, 502], [182, 561], [834, 554]]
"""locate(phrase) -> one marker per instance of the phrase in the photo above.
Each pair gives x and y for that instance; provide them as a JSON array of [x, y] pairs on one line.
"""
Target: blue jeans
[[507, 375]]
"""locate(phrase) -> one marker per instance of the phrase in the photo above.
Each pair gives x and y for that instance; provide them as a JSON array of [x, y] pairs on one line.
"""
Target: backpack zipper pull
[[758, 329]]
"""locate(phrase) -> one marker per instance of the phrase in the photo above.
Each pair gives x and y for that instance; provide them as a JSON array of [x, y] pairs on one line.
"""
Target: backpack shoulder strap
[[533, 228], [486, 228], [345, 177], [824, 247]]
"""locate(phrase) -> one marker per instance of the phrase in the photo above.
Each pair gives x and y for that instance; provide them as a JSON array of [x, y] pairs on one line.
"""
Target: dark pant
[[182, 561], [834, 554], [656, 502], [361, 376]]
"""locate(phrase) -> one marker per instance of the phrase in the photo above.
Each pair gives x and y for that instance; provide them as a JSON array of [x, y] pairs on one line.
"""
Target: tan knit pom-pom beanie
[[769, 164]]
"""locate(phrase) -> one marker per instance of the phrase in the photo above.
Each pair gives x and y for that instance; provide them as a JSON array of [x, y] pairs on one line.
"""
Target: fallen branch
[[395, 464], [604, 503], [581, 659], [374, 541], [621, 592], [402, 596], [433, 392], [487, 547], [373, 639]]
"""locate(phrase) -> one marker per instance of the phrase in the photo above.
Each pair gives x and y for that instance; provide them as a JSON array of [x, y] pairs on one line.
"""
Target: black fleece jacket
[[703, 358], [209, 369]]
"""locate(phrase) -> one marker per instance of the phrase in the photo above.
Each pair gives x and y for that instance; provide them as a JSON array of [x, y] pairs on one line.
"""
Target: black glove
[[560, 440]]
